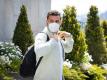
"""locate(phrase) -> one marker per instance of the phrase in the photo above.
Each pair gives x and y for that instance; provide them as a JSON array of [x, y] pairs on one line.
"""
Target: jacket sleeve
[[42, 47], [68, 44]]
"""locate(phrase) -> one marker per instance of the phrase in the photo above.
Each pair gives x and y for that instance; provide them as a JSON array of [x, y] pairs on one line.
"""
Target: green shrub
[[95, 37], [104, 25], [96, 73], [93, 73], [71, 25], [23, 36], [10, 59], [73, 74]]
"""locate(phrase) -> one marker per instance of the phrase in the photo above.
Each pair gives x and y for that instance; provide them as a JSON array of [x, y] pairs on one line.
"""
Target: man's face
[[53, 19]]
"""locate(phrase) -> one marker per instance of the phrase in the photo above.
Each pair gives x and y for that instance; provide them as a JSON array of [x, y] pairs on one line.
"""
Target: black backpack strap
[[40, 59], [47, 36]]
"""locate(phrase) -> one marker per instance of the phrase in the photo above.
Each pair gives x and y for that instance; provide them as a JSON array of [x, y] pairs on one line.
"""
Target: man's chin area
[[54, 32]]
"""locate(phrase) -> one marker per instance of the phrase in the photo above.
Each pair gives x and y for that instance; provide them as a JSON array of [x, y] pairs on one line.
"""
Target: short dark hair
[[53, 13]]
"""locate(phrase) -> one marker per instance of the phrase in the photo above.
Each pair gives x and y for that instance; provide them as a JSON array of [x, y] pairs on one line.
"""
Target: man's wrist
[[54, 39]]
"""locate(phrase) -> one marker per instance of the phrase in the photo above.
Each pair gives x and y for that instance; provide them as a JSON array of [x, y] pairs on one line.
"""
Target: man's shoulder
[[40, 34]]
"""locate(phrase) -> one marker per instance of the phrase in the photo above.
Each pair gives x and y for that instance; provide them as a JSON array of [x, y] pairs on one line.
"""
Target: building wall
[[9, 12]]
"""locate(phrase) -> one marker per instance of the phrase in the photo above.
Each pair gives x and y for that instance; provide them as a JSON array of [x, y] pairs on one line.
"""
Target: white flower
[[85, 66], [9, 54], [9, 51], [104, 66], [90, 58], [86, 58], [13, 50], [67, 63], [12, 44], [2, 57], [6, 51], [7, 60], [17, 47], [4, 60], [2, 53], [12, 56], [6, 43], [2, 48]]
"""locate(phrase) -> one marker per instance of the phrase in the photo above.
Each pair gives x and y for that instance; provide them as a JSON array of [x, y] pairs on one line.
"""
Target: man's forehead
[[54, 17]]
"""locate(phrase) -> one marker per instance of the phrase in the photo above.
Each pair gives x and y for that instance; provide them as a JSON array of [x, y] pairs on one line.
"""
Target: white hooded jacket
[[51, 65]]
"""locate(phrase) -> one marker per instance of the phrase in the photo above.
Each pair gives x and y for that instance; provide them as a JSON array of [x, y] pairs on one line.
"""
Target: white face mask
[[53, 27]]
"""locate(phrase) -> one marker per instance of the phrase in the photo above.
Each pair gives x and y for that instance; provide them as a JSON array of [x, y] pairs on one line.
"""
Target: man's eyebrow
[[57, 20]]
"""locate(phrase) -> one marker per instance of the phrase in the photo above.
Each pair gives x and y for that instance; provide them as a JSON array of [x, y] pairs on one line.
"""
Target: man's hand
[[55, 36], [63, 34]]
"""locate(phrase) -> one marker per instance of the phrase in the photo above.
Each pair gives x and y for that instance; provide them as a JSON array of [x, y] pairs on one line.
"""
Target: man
[[53, 50]]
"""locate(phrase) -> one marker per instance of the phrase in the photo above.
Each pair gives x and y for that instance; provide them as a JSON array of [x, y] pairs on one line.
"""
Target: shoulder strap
[[47, 36], [40, 59], [63, 55]]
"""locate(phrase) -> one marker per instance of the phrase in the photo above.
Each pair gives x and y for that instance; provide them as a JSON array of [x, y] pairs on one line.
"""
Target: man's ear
[[60, 21], [46, 22]]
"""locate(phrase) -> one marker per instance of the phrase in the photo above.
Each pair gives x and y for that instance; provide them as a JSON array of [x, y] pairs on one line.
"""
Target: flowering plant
[[86, 58], [10, 55], [67, 63], [85, 65]]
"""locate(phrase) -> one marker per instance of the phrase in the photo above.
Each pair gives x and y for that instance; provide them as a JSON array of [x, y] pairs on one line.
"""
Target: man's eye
[[57, 21], [51, 21]]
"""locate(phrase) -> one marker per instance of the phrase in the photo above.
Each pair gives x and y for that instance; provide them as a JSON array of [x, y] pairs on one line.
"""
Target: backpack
[[29, 64]]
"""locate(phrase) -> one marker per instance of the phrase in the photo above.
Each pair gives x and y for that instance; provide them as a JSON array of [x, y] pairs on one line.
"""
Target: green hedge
[[93, 73], [73, 74]]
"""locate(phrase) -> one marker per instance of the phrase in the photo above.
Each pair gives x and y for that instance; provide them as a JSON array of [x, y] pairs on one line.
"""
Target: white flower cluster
[[87, 58], [67, 63], [85, 65], [4, 60], [104, 66], [8, 52]]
